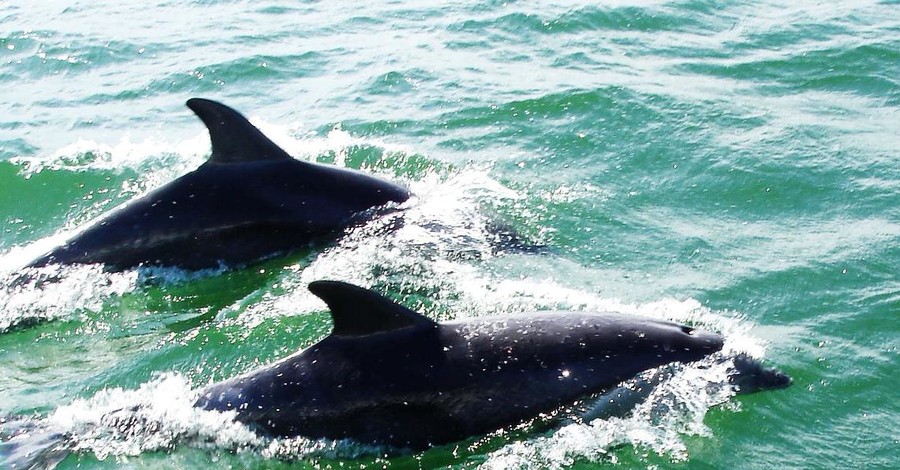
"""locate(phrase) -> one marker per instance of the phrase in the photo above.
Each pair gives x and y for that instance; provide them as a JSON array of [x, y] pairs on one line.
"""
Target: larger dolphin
[[248, 201], [388, 375]]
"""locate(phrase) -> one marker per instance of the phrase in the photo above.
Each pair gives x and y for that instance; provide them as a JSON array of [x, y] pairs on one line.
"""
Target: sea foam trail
[[53, 293], [159, 415]]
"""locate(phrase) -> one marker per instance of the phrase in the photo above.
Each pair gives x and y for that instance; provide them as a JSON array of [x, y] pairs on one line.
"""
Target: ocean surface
[[734, 165]]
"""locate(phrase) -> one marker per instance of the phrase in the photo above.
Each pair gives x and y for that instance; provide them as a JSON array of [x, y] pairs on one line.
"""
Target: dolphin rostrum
[[388, 375], [250, 200]]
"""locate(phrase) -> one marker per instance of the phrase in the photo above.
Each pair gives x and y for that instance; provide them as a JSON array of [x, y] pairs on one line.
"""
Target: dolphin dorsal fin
[[357, 311], [234, 139]]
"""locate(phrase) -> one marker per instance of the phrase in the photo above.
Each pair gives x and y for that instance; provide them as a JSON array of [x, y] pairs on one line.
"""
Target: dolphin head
[[691, 344], [663, 341]]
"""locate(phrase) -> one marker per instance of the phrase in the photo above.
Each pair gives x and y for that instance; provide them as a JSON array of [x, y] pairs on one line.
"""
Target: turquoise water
[[734, 165]]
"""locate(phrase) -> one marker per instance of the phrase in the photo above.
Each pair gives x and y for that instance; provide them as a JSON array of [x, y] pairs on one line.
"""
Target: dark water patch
[[807, 173], [598, 114], [118, 96], [193, 81], [266, 69], [384, 128], [869, 70], [57, 61], [579, 60], [38, 54], [63, 355], [577, 21], [779, 32], [15, 147], [166, 304], [396, 83], [372, 157], [284, 9], [625, 19], [510, 23], [840, 371], [368, 21], [618, 135], [760, 192], [458, 44], [18, 45], [841, 275]]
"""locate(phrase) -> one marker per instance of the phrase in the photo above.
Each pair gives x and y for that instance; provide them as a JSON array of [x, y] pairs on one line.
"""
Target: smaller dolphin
[[388, 375], [250, 200]]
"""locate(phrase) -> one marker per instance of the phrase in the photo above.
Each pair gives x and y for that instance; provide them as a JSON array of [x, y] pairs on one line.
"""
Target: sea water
[[733, 165]]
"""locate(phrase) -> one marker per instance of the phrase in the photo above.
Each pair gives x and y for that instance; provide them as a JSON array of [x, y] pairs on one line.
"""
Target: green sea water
[[730, 164]]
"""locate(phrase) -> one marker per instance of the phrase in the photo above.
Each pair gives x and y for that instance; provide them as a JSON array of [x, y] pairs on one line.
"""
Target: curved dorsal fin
[[234, 139], [357, 311]]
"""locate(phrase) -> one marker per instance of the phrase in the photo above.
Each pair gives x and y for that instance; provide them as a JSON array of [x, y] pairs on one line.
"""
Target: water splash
[[54, 292], [157, 416], [161, 161], [441, 231], [674, 408]]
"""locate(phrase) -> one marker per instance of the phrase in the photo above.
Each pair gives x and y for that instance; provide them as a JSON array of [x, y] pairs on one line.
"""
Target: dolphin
[[250, 200], [390, 376]]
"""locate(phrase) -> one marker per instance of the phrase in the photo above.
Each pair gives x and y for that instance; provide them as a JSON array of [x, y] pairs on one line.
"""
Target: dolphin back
[[249, 201]]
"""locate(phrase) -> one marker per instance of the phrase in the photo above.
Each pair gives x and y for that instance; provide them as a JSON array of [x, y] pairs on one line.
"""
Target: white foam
[[437, 235], [674, 409], [71, 290], [163, 161], [158, 415], [166, 160]]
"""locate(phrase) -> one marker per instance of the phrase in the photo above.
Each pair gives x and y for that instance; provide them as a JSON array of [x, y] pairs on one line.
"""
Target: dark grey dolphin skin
[[250, 200], [388, 375]]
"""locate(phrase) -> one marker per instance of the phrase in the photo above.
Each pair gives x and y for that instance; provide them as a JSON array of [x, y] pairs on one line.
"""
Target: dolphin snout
[[749, 375]]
